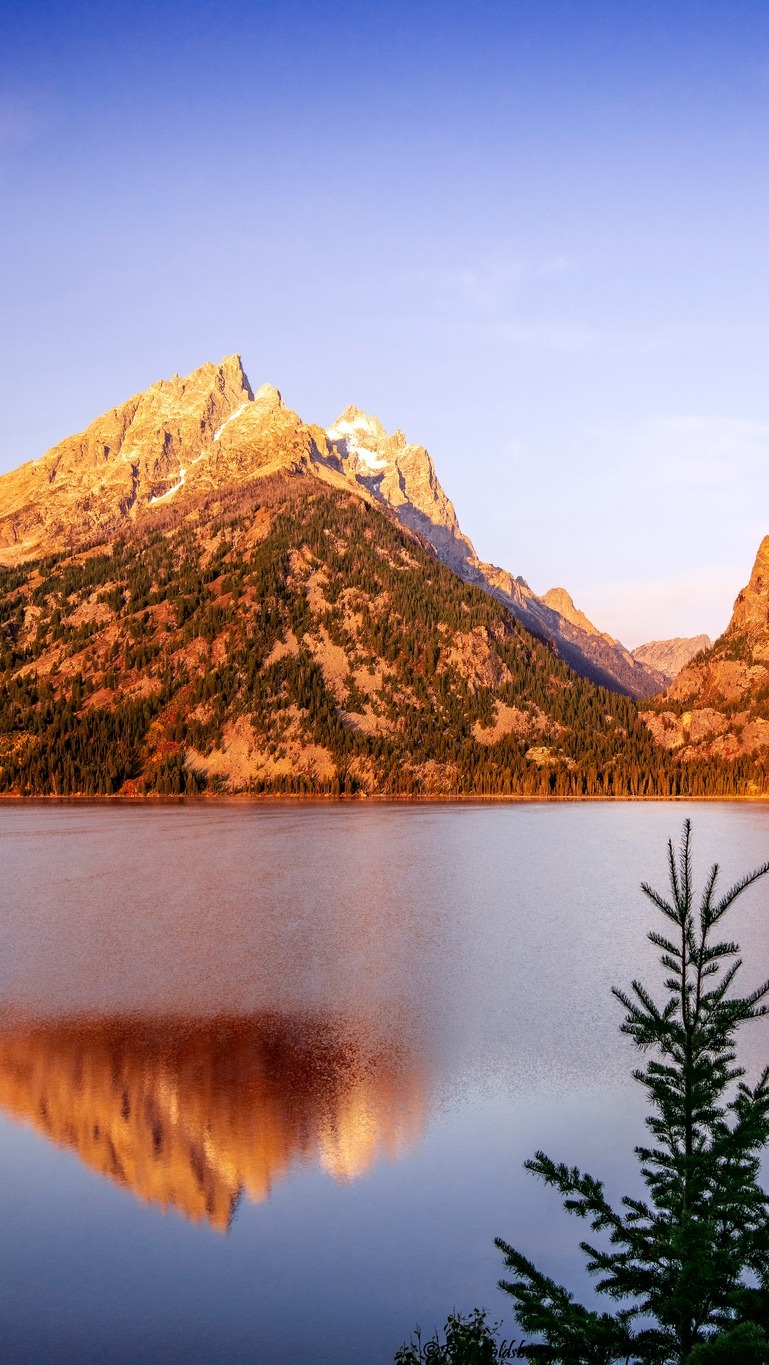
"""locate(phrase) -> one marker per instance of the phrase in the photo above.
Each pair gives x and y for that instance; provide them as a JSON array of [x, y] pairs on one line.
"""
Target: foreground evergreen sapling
[[687, 1267], [467, 1340]]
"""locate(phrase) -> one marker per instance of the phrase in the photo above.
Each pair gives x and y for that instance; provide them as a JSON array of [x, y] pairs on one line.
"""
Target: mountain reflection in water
[[191, 1114]]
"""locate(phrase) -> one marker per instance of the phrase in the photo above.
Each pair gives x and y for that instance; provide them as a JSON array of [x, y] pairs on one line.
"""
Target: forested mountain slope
[[288, 637]]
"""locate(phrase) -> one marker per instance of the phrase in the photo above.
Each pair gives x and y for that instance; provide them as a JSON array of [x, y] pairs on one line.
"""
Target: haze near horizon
[[530, 235]]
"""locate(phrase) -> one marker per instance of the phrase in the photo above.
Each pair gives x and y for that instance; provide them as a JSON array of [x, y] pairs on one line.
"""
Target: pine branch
[[737, 890], [663, 905]]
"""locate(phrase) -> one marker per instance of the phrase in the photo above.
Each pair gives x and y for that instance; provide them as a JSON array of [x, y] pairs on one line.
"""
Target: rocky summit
[[179, 437]]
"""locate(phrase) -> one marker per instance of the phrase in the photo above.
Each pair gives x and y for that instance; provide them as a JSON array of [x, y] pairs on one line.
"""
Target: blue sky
[[533, 235]]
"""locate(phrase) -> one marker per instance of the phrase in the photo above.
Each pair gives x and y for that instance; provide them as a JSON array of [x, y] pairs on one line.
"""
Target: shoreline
[[365, 798]]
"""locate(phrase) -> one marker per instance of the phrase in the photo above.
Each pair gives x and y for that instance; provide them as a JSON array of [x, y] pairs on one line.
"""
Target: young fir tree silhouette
[[687, 1267]]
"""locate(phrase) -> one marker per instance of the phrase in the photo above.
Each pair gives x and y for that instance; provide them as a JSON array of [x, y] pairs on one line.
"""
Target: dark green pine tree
[[687, 1267]]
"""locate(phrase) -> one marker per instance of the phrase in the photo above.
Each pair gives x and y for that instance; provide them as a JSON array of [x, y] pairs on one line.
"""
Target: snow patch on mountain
[[350, 435], [162, 497], [229, 419]]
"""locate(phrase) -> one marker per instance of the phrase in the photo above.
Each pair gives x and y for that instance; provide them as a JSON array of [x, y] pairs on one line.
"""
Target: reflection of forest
[[190, 1114]]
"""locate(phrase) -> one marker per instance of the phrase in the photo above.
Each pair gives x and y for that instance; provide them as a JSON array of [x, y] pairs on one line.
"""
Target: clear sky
[[533, 234]]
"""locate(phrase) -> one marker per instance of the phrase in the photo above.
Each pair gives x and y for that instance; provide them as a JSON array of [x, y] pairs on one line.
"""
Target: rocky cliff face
[[668, 657], [750, 617], [402, 476], [208, 432], [635, 676], [718, 705]]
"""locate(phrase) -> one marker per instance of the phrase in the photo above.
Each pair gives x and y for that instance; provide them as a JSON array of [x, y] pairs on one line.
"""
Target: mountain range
[[209, 430], [201, 591]]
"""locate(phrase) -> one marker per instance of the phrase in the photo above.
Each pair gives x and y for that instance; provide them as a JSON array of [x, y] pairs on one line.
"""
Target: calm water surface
[[268, 1074]]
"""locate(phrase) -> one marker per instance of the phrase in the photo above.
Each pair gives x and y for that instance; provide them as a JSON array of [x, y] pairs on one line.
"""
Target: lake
[[269, 1072]]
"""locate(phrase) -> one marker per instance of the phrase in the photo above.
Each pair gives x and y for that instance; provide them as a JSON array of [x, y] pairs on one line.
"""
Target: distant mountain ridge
[[209, 431], [669, 657]]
